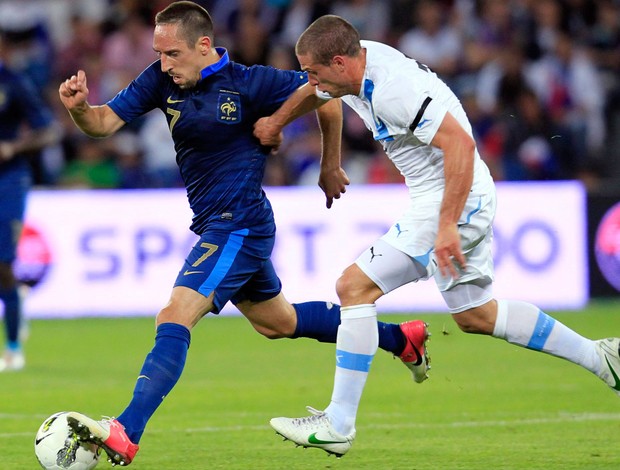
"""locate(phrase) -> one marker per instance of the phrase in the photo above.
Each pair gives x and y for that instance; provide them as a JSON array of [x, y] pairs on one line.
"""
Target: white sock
[[356, 346], [526, 325]]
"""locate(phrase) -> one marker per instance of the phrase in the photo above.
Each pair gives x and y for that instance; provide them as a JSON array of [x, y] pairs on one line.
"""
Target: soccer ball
[[57, 447]]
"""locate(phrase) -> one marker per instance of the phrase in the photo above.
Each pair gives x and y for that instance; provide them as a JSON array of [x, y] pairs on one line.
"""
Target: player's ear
[[339, 61], [204, 44]]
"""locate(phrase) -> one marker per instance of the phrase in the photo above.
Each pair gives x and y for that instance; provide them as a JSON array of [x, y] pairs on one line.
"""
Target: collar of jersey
[[214, 68]]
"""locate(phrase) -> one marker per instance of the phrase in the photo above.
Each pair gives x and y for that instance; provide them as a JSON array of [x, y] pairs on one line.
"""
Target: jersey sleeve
[[404, 109], [269, 87], [140, 96]]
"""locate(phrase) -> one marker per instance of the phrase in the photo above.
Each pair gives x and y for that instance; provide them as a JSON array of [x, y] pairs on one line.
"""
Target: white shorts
[[406, 253]]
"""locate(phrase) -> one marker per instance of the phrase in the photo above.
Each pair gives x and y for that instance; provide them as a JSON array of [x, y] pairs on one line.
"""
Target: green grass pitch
[[487, 405]]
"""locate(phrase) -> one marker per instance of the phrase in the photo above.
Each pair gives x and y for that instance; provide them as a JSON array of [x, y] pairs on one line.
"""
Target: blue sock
[[317, 320], [391, 338], [10, 298], [161, 371], [320, 321]]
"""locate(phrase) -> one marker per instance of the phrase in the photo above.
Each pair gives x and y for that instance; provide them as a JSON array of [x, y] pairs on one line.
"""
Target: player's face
[[181, 62], [331, 78]]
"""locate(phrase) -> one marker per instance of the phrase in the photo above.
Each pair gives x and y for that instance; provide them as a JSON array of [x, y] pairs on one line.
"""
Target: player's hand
[[448, 251], [333, 183], [268, 133], [7, 151], [74, 91]]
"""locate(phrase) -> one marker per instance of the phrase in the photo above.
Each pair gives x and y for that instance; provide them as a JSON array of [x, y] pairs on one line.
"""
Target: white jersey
[[403, 103]]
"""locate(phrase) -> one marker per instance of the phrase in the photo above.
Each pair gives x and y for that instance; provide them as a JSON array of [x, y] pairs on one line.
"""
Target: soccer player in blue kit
[[26, 125], [211, 105]]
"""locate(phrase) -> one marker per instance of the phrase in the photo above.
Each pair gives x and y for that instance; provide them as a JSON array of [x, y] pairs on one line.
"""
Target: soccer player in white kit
[[446, 233]]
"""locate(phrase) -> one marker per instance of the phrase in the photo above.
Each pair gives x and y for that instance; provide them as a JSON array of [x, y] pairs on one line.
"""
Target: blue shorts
[[234, 265], [15, 183]]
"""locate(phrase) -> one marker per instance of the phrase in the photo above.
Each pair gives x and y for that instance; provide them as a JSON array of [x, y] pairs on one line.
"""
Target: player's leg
[[522, 323], [160, 372], [380, 269], [13, 358], [356, 344], [12, 206], [275, 317], [210, 276]]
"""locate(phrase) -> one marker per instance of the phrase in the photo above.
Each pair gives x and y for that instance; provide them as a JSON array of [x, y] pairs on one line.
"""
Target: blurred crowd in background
[[539, 79]]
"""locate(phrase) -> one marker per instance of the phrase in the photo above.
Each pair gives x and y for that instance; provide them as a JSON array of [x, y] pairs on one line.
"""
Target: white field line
[[564, 418]]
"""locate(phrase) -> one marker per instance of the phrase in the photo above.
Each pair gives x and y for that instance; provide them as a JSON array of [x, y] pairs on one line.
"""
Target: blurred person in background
[[212, 104], [568, 84], [433, 40], [92, 167], [126, 52], [26, 127]]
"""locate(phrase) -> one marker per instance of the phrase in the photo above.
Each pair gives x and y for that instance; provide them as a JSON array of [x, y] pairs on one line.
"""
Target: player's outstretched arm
[[304, 100], [94, 121]]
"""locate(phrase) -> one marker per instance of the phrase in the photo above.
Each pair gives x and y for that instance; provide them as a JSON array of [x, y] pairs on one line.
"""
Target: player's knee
[[348, 289], [170, 314]]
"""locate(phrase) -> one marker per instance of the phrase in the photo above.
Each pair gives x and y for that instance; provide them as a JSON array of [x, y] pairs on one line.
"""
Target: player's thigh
[[388, 267]]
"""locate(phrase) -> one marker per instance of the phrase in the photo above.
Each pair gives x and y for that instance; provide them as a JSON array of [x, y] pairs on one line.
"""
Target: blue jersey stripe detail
[[382, 130], [352, 361], [542, 330], [229, 253]]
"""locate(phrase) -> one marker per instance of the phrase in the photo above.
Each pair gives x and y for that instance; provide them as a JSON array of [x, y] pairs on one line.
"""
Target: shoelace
[[316, 417], [107, 420]]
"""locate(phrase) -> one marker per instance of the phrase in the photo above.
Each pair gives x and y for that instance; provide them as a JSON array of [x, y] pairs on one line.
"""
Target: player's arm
[[332, 178], [30, 140], [458, 148], [302, 101], [94, 121]]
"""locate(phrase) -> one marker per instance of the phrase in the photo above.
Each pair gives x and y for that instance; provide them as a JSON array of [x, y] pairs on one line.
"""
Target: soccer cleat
[[109, 434], [609, 353], [415, 356], [313, 431], [12, 361]]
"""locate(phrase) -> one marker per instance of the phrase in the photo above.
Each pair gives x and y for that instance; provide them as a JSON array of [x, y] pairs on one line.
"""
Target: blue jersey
[[221, 162], [20, 104]]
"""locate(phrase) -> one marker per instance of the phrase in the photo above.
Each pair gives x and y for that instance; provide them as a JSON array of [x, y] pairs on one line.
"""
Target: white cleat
[[12, 361], [313, 431], [608, 351]]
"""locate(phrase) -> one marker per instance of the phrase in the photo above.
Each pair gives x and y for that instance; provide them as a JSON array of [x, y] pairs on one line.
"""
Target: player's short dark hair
[[329, 36], [193, 20]]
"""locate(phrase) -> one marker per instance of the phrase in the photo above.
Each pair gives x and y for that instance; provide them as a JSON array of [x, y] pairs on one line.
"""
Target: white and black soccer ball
[[57, 447]]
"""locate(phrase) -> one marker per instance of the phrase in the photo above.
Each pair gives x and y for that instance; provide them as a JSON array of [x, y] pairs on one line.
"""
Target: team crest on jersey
[[229, 107]]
